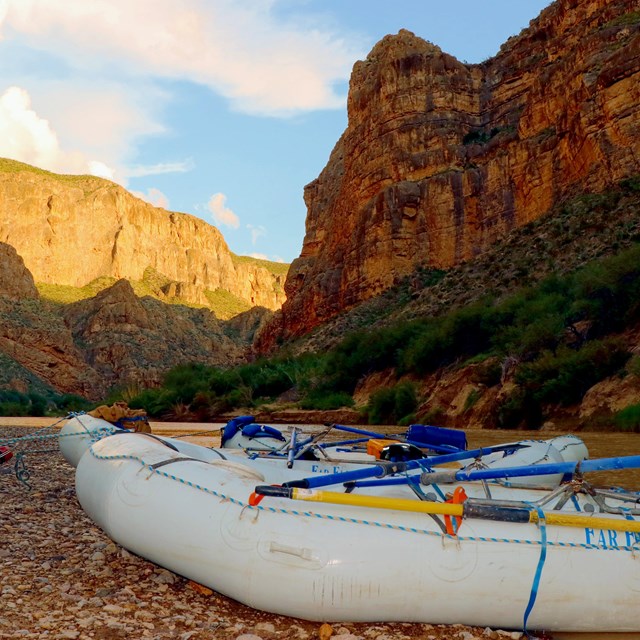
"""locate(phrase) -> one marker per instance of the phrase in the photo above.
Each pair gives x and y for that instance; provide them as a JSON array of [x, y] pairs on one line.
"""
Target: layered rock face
[[128, 339], [16, 281], [441, 158], [34, 342], [112, 339], [73, 229]]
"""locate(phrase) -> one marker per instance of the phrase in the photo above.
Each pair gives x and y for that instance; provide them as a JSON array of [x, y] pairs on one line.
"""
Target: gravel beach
[[62, 577]]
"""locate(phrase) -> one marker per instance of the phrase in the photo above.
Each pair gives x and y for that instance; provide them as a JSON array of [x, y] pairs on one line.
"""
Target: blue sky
[[220, 108]]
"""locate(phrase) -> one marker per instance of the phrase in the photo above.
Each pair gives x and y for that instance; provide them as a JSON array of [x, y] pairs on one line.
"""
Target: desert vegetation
[[562, 335]]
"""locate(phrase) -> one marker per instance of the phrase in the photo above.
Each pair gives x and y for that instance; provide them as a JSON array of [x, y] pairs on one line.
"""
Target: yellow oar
[[468, 509]]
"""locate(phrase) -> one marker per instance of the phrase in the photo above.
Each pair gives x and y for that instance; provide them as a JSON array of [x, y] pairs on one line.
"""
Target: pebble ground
[[62, 578]]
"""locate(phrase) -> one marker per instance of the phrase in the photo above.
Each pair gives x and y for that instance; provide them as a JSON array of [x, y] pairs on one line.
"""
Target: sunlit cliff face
[[441, 158]]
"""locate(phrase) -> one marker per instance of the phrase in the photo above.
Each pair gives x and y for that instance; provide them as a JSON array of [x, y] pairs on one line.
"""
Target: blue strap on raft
[[262, 431], [542, 524], [124, 423], [234, 425]]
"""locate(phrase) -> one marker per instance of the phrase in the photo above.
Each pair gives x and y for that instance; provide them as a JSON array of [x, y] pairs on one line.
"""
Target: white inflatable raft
[[189, 510], [81, 431]]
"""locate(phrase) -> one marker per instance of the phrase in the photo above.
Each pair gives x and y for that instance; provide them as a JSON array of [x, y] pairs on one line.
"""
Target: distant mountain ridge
[[74, 230]]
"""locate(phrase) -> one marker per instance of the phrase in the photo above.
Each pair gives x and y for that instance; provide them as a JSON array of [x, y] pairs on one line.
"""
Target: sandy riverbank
[[62, 577]]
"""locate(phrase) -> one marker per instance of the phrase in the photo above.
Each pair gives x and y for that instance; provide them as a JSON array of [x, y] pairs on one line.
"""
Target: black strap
[[148, 435], [172, 460]]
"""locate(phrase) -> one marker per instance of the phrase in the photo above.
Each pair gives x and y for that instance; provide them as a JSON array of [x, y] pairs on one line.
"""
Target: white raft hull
[[332, 562]]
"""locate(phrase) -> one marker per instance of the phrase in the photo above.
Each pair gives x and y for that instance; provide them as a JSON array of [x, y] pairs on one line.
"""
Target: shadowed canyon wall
[[114, 338]]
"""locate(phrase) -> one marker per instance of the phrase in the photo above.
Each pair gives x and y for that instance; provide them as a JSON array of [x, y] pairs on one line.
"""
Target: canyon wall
[[441, 158], [73, 229], [114, 338]]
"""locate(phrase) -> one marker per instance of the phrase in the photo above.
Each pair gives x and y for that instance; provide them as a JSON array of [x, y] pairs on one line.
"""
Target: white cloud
[[97, 168], [101, 119], [257, 231], [27, 137], [140, 171], [222, 214], [261, 63], [95, 131], [23, 134], [153, 196]]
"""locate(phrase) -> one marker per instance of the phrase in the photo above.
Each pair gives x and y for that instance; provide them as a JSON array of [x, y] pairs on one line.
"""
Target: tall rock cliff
[[73, 229], [441, 158]]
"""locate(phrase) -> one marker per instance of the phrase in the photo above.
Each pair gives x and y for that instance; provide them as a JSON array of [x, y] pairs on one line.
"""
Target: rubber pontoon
[[190, 510]]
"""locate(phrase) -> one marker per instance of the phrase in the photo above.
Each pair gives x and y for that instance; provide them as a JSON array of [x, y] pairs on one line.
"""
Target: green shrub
[[70, 402], [391, 405], [184, 381], [471, 400], [327, 401], [519, 410], [631, 185], [565, 376], [633, 366], [434, 415], [628, 419], [266, 379], [440, 341], [533, 319], [409, 419], [362, 353], [382, 405], [607, 292], [488, 373], [156, 402]]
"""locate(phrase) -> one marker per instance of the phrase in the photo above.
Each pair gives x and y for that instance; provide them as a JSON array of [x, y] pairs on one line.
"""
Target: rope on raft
[[20, 469]]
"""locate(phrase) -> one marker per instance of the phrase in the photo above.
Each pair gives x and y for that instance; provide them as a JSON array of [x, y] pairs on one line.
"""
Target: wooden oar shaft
[[377, 502], [587, 521], [468, 510]]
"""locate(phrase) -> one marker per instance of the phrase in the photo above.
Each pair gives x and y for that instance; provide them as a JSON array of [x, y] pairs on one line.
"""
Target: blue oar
[[601, 464], [292, 448], [363, 432], [384, 469], [342, 443], [416, 443]]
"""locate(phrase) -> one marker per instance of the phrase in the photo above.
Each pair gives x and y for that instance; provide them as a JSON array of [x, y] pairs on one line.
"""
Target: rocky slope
[[114, 338], [35, 345], [442, 158], [71, 230], [582, 230]]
